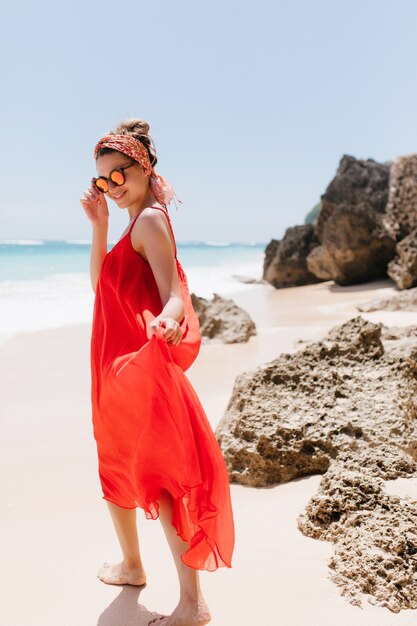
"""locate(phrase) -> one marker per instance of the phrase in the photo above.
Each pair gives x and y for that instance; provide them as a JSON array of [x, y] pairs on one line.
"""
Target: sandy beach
[[56, 530]]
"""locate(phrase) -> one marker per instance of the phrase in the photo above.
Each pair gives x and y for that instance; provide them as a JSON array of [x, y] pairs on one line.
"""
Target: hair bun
[[139, 129], [133, 126]]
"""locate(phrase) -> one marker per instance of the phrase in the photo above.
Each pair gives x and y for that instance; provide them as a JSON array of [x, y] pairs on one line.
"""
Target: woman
[[156, 449]]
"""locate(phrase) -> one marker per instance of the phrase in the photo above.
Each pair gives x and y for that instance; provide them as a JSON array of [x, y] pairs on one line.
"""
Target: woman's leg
[[130, 570], [192, 609]]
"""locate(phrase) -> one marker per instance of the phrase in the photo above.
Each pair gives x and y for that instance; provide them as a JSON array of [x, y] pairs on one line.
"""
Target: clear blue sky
[[250, 105]]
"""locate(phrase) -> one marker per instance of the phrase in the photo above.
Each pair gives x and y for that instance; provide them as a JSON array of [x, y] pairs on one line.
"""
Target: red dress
[[150, 428]]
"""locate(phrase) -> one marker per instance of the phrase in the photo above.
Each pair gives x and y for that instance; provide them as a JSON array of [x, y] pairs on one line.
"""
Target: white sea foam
[[205, 281], [29, 305], [67, 298], [49, 285]]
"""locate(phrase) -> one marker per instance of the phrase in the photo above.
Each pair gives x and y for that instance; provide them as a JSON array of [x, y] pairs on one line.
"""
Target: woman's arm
[[95, 206], [98, 252], [152, 236]]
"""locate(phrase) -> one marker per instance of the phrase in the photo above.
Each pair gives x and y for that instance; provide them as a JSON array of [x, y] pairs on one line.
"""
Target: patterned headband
[[134, 148]]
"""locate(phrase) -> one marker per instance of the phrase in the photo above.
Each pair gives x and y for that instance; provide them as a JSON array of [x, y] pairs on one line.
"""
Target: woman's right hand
[[95, 206]]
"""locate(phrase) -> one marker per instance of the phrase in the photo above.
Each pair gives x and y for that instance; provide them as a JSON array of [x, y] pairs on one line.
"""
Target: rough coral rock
[[403, 268], [400, 220], [222, 321], [375, 534], [401, 212], [355, 244], [345, 407], [376, 557], [292, 416]]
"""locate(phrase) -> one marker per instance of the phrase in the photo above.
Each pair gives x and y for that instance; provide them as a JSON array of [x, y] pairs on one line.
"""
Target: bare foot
[[119, 574], [185, 614]]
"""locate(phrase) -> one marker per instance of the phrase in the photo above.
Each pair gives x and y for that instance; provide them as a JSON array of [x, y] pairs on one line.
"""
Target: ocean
[[46, 283]]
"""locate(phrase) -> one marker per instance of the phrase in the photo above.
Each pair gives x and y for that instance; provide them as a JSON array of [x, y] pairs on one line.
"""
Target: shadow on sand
[[126, 611], [370, 286]]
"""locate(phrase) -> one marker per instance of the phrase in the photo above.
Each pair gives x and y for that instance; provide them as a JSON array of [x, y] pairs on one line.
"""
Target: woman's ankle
[[133, 564], [191, 596]]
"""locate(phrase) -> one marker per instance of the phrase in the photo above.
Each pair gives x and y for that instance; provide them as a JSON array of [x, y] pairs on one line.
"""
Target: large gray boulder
[[355, 244]]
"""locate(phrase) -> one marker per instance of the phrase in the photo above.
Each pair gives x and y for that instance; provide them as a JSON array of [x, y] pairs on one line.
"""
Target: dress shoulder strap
[[169, 224], [131, 226]]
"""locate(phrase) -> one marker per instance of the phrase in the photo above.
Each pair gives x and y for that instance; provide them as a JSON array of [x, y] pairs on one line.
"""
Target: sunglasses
[[117, 176]]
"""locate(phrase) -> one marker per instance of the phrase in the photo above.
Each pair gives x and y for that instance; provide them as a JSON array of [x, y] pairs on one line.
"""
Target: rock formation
[[345, 407], [222, 321], [355, 245], [285, 261], [249, 280], [292, 416], [401, 220], [403, 269], [401, 213], [375, 534], [404, 301], [366, 228]]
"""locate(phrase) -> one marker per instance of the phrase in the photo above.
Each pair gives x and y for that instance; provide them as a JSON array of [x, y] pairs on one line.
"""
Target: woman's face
[[135, 187]]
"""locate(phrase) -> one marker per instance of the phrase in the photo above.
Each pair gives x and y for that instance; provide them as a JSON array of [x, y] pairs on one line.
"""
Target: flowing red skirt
[[163, 440]]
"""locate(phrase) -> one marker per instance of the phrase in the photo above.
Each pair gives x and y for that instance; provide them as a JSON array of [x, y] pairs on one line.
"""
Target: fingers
[[85, 201], [154, 325], [172, 333], [92, 192], [91, 195], [88, 194]]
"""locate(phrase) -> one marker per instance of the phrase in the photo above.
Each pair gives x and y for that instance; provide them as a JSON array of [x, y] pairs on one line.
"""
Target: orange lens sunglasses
[[117, 176]]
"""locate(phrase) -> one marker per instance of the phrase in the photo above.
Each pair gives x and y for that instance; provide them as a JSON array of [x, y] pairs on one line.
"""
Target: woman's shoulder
[[150, 221], [150, 210], [154, 215]]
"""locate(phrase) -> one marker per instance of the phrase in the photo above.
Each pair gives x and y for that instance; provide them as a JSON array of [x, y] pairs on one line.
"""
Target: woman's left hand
[[172, 333]]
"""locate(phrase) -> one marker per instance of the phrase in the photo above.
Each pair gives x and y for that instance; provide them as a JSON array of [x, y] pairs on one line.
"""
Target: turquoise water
[[40, 259], [47, 283]]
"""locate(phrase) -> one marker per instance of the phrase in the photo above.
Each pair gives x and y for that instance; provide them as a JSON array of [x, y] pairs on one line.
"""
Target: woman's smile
[[117, 197]]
